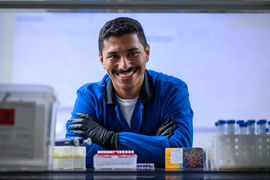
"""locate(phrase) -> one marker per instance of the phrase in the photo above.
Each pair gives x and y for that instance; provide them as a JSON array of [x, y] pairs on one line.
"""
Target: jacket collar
[[147, 92]]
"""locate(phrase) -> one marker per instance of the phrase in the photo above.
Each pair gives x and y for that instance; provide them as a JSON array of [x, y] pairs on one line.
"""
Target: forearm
[[150, 149]]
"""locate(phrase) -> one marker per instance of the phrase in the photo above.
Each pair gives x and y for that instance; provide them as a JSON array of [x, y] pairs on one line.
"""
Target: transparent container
[[251, 127], [261, 126], [268, 127], [230, 129], [122, 159], [235, 151], [217, 128], [221, 126], [239, 128], [242, 128], [27, 127], [69, 157]]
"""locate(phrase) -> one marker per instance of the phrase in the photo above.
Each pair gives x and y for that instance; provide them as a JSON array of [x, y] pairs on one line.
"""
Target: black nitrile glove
[[167, 128], [88, 127]]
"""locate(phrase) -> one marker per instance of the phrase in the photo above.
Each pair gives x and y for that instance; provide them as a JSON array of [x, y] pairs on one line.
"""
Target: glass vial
[[230, 127], [251, 127], [261, 126], [221, 127]]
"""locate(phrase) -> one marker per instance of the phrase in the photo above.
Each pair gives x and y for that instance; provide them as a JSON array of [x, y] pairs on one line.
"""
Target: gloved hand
[[167, 128], [88, 127]]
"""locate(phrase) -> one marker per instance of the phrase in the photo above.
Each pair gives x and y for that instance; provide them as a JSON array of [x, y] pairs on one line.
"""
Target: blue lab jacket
[[161, 96]]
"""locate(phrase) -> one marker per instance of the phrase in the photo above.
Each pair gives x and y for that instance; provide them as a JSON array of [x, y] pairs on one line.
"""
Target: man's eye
[[133, 53], [113, 56]]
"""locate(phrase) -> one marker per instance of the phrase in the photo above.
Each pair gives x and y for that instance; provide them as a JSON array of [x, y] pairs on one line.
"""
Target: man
[[131, 108]]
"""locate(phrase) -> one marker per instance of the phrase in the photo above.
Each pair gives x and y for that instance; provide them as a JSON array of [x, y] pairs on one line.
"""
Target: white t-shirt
[[127, 107]]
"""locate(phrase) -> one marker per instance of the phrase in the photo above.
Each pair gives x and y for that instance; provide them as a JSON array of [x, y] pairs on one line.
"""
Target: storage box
[[241, 151], [27, 127], [178, 158], [122, 159], [69, 157]]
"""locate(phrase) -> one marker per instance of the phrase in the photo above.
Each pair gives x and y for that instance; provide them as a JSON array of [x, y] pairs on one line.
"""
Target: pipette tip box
[[69, 157], [118, 159]]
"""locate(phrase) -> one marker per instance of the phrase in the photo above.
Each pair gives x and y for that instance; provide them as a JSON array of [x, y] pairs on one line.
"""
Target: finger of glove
[[169, 130], [169, 135], [77, 127], [78, 121], [78, 132], [164, 128], [82, 115], [160, 129], [167, 120]]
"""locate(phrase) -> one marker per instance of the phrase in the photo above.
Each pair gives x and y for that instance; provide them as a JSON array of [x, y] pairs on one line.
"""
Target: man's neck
[[128, 94]]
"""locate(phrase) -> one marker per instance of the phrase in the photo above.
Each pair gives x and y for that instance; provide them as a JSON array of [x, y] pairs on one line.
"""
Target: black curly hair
[[118, 27]]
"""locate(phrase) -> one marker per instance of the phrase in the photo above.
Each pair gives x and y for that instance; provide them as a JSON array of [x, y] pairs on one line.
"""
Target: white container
[[115, 160], [27, 127], [69, 157], [242, 151]]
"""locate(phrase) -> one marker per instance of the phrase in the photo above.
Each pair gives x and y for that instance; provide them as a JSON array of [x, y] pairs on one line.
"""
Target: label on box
[[17, 130], [177, 155], [183, 158]]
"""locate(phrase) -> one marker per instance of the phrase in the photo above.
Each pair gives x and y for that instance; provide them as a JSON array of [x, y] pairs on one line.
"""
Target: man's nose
[[124, 63]]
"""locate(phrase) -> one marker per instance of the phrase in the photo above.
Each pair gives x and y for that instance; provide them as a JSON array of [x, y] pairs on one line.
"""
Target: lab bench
[[158, 173]]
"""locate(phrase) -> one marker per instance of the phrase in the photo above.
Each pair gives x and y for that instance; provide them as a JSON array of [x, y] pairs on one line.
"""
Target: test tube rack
[[232, 151]]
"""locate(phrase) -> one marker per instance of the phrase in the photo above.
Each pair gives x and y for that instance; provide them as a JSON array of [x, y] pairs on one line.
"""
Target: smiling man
[[131, 108]]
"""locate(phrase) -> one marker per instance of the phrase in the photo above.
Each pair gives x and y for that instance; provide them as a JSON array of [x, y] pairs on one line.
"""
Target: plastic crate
[[27, 126], [241, 151]]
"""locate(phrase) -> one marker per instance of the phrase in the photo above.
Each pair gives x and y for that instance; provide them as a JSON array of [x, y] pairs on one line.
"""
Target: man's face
[[125, 59]]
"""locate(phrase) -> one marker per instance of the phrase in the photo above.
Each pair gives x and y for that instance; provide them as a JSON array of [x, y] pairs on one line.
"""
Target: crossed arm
[[89, 128]]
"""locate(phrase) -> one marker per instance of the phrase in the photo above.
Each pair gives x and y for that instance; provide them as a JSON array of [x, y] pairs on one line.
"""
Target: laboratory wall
[[6, 43], [223, 58]]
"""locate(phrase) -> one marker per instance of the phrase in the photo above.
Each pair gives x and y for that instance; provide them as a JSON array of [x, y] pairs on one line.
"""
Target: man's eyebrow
[[111, 52], [132, 49], [115, 52]]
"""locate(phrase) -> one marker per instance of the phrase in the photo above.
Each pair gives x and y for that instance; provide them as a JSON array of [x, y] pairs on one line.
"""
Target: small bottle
[[217, 128], [251, 127], [239, 122], [268, 127], [242, 128], [261, 124], [221, 127], [230, 127]]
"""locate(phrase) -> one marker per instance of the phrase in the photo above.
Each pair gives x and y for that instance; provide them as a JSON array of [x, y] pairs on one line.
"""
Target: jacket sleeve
[[152, 148], [84, 105]]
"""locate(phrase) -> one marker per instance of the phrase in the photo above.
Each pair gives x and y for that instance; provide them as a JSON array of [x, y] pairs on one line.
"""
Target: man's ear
[[101, 60], [147, 51]]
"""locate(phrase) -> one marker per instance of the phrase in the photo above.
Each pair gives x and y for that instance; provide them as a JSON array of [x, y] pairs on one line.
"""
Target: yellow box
[[178, 158]]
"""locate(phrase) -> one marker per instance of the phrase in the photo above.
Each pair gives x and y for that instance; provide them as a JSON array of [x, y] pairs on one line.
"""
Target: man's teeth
[[126, 75]]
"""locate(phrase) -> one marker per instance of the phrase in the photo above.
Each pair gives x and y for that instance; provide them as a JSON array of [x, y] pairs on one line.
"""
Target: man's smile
[[126, 74]]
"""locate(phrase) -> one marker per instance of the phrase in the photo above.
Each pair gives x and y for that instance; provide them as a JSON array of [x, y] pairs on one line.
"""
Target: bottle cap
[[240, 122], [243, 125], [268, 122], [262, 121], [216, 123], [221, 122], [251, 121], [230, 122]]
